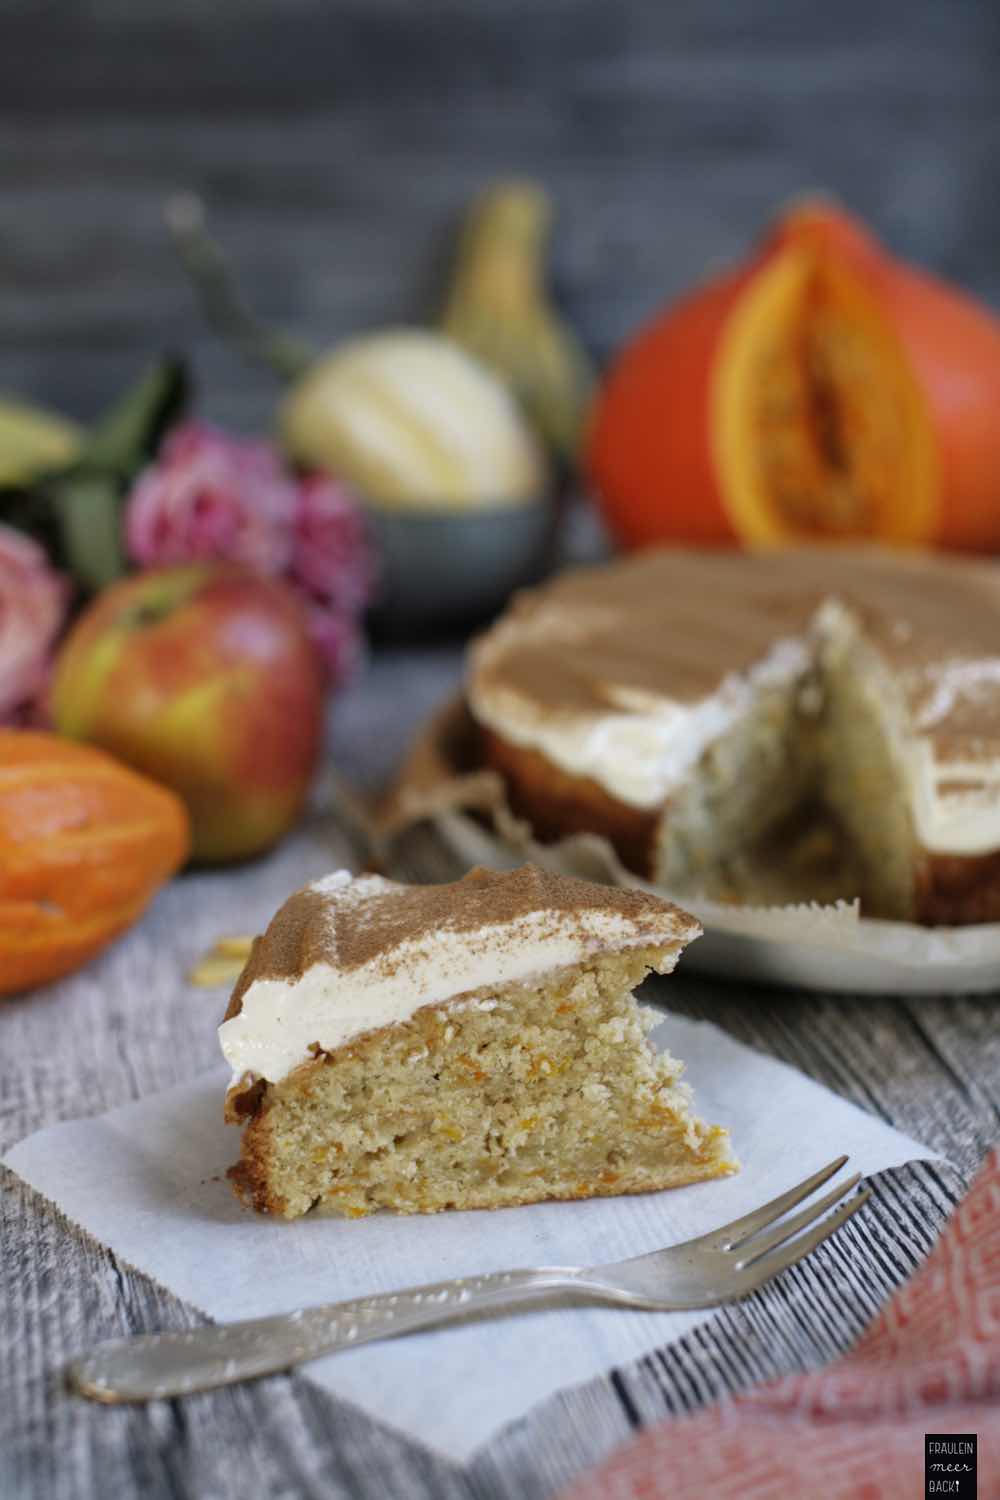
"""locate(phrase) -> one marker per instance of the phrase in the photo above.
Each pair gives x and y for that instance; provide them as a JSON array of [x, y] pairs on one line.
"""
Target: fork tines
[[754, 1236]]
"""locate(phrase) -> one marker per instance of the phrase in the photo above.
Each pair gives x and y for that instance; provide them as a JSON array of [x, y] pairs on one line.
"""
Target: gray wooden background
[[336, 141]]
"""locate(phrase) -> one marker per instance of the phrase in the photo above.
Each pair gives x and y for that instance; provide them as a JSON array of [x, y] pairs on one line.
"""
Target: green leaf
[[77, 512], [87, 509], [128, 434]]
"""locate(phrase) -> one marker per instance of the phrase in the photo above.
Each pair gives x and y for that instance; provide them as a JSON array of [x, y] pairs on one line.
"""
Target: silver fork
[[721, 1266]]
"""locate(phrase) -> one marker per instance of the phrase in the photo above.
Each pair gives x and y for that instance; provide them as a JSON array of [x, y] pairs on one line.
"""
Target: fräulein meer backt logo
[[950, 1464]]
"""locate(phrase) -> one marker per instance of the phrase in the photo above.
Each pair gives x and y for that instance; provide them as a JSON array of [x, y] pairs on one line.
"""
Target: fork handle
[[155, 1365]]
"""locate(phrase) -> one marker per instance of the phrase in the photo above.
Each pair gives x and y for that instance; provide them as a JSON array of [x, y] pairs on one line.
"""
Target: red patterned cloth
[[930, 1363]]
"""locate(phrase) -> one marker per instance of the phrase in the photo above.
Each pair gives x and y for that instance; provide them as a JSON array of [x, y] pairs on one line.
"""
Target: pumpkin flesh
[[820, 430]]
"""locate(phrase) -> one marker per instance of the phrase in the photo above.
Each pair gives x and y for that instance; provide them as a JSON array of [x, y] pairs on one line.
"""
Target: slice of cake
[[686, 704], [470, 1045]]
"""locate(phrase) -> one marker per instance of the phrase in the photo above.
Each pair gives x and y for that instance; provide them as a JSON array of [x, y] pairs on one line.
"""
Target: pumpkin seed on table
[[222, 964]]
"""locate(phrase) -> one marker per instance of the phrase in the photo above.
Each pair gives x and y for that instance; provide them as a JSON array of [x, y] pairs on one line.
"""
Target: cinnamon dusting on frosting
[[366, 923], [669, 626]]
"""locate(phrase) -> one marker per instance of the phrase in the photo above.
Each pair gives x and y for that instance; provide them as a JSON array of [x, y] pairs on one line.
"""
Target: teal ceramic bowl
[[442, 569]]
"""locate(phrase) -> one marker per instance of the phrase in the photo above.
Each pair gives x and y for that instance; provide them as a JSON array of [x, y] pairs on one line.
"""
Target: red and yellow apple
[[204, 678]]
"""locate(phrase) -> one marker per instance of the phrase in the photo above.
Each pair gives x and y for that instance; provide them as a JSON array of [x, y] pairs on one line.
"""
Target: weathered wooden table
[[129, 1025]]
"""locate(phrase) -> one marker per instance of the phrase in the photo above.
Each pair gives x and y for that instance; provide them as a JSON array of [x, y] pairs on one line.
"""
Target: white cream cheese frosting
[[955, 804], [645, 743], [348, 956]]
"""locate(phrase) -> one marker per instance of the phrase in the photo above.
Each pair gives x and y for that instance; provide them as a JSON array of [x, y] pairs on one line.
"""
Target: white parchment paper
[[148, 1181]]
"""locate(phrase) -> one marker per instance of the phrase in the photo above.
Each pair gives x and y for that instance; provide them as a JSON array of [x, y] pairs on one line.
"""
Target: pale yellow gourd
[[498, 309], [33, 441], [413, 422]]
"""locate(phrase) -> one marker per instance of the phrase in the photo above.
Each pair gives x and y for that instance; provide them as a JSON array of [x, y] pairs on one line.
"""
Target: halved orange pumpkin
[[826, 391]]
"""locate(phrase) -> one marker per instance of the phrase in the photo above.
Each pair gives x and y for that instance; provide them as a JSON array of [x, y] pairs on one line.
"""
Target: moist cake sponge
[[477, 1045]]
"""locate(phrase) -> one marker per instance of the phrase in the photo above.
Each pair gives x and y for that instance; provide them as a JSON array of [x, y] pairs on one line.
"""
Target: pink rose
[[33, 599], [338, 638], [333, 567], [332, 556], [209, 495]]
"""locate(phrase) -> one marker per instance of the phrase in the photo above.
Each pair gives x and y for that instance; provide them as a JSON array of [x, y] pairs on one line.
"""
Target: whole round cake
[[686, 705]]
